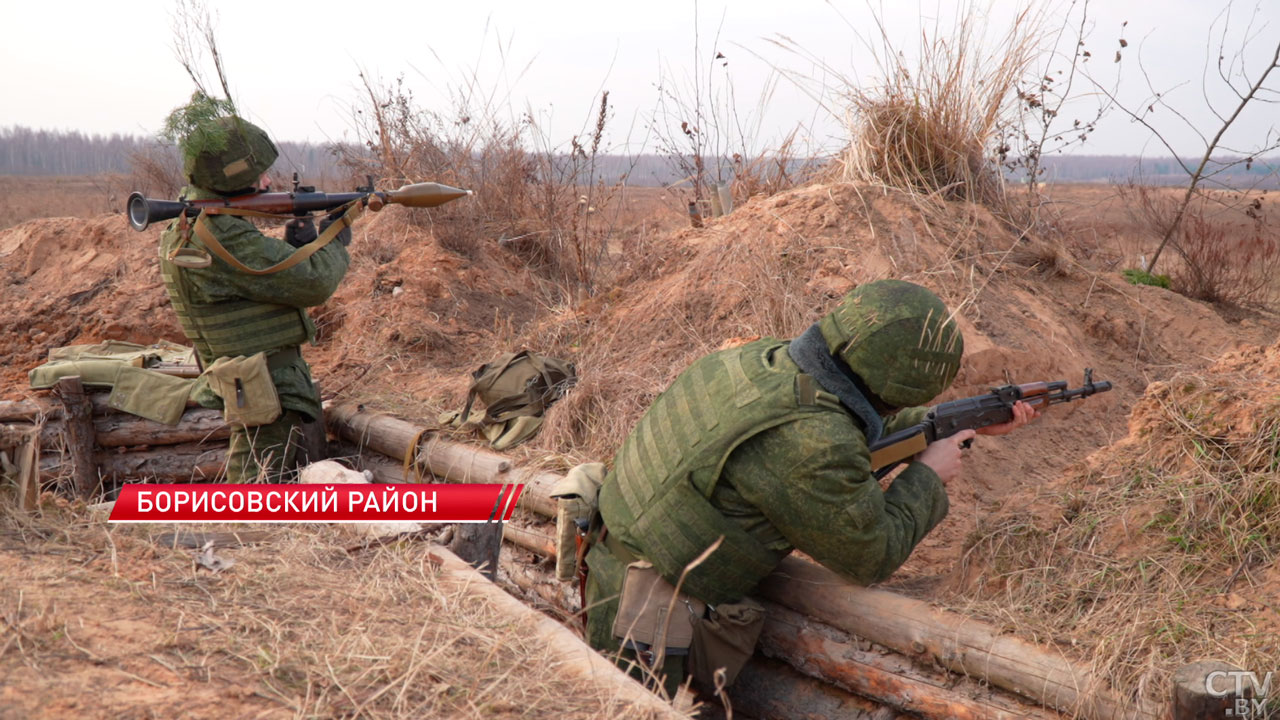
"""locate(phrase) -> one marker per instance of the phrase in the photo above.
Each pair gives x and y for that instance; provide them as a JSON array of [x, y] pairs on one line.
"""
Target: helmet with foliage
[[220, 150], [899, 338]]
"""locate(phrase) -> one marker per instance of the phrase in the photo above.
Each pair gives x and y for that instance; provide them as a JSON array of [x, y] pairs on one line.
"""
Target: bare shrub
[[708, 138], [539, 203], [156, 170], [1228, 255]]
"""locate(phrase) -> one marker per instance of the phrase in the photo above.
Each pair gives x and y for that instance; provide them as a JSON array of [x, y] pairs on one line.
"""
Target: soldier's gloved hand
[[300, 231], [344, 235]]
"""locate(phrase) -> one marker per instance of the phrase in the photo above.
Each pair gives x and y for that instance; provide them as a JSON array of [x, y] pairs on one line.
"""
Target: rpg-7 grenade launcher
[[972, 413], [301, 201]]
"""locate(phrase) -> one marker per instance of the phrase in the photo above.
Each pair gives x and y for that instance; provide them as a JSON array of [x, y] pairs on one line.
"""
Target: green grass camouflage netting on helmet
[[899, 338], [220, 150]]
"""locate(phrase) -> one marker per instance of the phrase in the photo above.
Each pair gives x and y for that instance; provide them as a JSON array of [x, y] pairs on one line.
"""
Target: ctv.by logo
[[1251, 693]]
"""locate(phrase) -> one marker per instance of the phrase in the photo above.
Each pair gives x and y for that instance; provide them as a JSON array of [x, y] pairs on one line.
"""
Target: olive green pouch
[[645, 606], [249, 397], [149, 394], [724, 641]]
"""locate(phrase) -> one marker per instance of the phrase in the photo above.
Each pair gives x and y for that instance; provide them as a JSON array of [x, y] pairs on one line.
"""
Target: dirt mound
[[1160, 549], [71, 280]]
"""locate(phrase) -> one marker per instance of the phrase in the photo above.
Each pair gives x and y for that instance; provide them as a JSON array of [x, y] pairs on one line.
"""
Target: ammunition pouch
[[724, 641], [651, 613], [248, 395]]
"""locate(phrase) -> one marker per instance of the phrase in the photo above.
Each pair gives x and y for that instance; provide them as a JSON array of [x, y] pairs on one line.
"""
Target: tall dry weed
[[931, 118], [930, 126]]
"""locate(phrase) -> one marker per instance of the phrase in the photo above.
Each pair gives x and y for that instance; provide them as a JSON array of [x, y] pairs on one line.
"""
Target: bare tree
[[1248, 85]]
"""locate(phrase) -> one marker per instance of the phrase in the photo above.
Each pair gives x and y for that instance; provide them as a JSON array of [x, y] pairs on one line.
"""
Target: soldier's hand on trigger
[[344, 235], [300, 231], [943, 456]]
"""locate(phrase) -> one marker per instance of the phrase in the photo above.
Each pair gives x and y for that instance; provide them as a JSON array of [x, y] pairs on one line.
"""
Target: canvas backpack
[[516, 389]]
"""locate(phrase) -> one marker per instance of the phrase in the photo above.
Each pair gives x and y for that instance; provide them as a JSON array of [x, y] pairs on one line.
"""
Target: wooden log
[[24, 444], [378, 431], [529, 539], [456, 462], [77, 416], [478, 544], [966, 646], [573, 655], [768, 688], [831, 656], [32, 410], [177, 463], [117, 429], [25, 410], [557, 598], [1212, 690]]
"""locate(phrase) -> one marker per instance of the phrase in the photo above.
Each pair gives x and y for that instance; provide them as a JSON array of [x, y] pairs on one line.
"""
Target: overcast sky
[[111, 67]]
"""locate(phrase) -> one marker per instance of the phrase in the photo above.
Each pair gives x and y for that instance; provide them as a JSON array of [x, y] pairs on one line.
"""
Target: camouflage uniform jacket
[[808, 485], [804, 484], [307, 284]]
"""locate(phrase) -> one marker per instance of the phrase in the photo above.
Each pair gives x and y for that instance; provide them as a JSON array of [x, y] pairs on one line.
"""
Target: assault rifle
[[301, 201], [972, 413]]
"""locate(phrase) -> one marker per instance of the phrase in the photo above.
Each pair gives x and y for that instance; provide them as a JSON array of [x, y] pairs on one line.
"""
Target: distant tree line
[[24, 151]]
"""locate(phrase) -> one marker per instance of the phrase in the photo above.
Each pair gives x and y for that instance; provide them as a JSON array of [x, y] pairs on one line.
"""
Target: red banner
[[447, 503]]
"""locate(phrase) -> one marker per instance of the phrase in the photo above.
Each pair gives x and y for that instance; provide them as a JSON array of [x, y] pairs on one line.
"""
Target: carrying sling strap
[[193, 257]]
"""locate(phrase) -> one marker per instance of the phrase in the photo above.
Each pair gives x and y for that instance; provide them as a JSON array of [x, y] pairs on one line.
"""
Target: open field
[[101, 622]]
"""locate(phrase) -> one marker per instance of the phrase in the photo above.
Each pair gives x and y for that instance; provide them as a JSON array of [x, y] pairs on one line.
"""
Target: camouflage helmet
[[226, 154], [899, 338]]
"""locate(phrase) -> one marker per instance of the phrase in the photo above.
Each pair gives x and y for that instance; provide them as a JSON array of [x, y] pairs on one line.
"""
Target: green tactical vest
[[656, 498], [230, 327]]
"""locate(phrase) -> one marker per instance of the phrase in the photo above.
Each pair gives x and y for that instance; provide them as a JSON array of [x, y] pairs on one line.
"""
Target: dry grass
[[548, 206], [1161, 552], [100, 621], [929, 126]]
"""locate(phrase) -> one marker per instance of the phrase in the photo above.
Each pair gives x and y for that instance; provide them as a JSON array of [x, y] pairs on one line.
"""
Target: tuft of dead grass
[[1161, 551], [929, 126], [99, 620]]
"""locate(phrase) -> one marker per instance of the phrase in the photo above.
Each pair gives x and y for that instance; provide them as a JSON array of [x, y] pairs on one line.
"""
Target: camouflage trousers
[[266, 453]]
